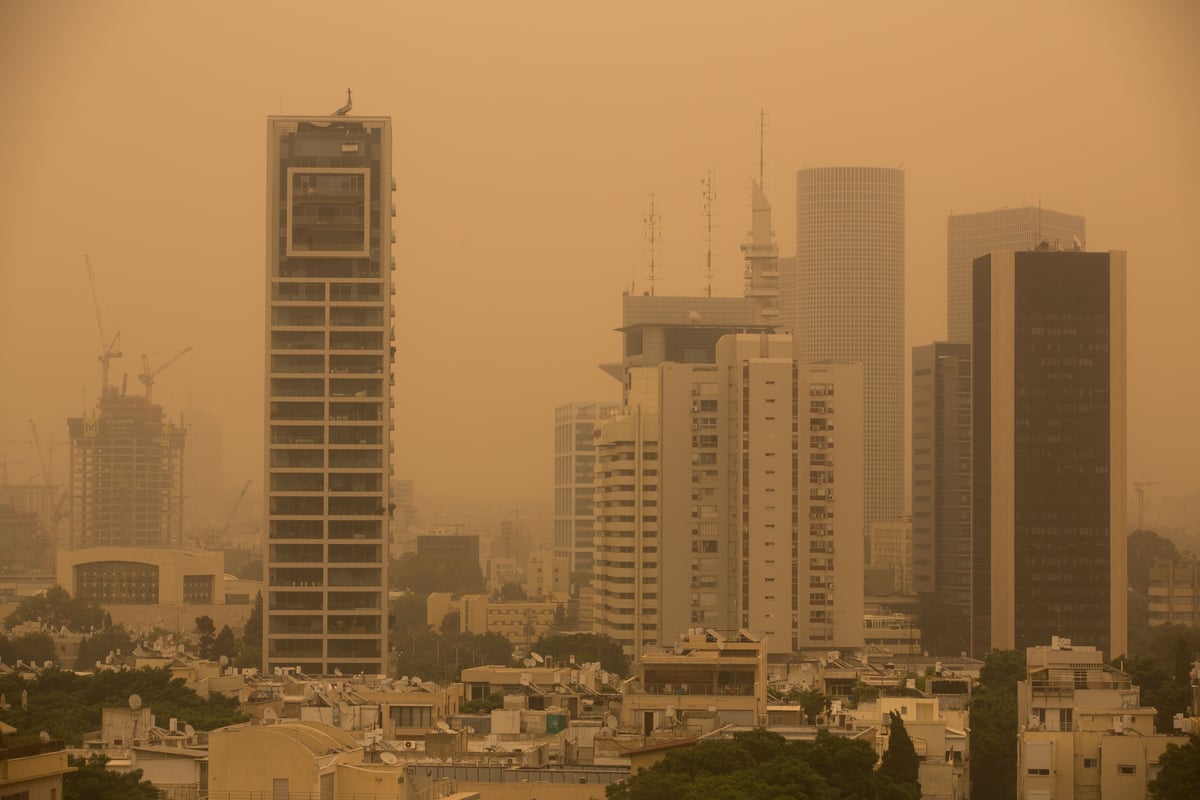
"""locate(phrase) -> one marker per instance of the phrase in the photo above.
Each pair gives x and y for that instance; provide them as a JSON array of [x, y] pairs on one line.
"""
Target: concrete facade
[[849, 281], [328, 386], [574, 480]]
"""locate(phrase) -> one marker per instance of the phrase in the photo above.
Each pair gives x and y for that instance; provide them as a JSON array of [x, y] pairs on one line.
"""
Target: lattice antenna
[[709, 193], [653, 235], [762, 149]]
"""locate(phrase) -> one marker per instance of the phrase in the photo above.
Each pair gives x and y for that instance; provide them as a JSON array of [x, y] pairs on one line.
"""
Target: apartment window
[[1091, 763], [1126, 769], [412, 716]]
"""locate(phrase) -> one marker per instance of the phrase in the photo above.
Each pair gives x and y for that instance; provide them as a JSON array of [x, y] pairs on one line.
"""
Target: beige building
[[308, 759], [892, 547], [709, 670], [548, 576], [1175, 593], [521, 622], [1084, 733], [31, 769]]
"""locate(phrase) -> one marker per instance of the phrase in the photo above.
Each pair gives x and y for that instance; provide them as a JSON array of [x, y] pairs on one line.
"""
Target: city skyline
[[500, 192]]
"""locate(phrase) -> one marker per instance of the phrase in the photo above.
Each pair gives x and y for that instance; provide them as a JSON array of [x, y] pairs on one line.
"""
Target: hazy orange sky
[[528, 137]]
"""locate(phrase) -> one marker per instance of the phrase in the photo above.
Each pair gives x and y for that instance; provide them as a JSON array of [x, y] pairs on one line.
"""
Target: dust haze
[[528, 139]]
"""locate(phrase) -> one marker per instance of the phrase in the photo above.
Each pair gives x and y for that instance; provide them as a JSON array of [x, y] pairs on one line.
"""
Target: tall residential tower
[[328, 385]]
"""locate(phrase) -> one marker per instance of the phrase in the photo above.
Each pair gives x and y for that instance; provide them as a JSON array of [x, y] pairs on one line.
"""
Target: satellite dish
[[43, 737], [388, 758], [529, 662], [610, 722], [135, 702], [224, 661], [269, 714], [537, 658], [416, 681], [189, 730], [443, 727], [337, 672]]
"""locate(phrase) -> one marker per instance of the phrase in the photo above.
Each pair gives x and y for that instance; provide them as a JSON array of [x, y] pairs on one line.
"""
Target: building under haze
[[969, 236], [941, 493], [1048, 449], [574, 480], [849, 304], [328, 385], [203, 495], [126, 482]]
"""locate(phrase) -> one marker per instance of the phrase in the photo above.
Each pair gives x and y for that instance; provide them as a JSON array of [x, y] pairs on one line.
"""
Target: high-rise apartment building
[[328, 386], [1048, 449], [941, 493], [849, 280], [969, 236], [126, 475], [574, 480]]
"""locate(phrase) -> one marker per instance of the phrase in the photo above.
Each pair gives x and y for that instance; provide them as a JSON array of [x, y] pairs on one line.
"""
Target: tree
[[811, 700], [1143, 548], [55, 608], [96, 648], [994, 727], [585, 647], [900, 760], [1179, 778], [224, 645], [483, 705], [207, 630], [759, 764], [251, 649], [91, 780], [29, 648]]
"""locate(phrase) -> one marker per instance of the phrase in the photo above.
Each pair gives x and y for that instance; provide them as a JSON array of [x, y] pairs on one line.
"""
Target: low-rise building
[[710, 671], [1175, 593], [32, 767], [1083, 731]]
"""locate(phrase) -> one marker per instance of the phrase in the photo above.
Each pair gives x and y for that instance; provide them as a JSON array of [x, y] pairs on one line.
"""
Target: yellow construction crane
[[147, 376], [109, 348], [37, 444]]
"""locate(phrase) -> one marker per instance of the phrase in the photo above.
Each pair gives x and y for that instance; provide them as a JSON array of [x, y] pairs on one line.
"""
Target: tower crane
[[1140, 487], [147, 376], [37, 444], [109, 348]]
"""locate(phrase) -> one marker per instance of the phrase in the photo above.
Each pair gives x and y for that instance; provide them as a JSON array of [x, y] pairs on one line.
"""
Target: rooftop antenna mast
[[652, 220], [344, 110], [709, 194], [762, 136]]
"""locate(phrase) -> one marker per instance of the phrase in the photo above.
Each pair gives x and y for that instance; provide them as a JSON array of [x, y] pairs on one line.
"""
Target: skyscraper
[[941, 493], [849, 278], [1048, 449], [574, 480], [969, 236], [328, 387], [126, 475]]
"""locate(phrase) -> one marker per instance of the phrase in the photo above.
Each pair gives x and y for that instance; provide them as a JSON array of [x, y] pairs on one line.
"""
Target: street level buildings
[[849, 281], [1048, 449], [330, 348]]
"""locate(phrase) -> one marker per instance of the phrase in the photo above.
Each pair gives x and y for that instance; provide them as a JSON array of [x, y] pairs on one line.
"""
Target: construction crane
[[214, 539], [109, 348], [37, 443], [1140, 487], [147, 376]]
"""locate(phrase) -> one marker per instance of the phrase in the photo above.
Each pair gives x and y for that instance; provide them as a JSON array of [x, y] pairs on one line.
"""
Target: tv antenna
[[709, 193], [653, 236], [762, 136]]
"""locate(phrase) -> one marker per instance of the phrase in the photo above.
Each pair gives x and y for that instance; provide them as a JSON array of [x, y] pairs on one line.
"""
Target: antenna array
[[653, 236], [709, 193]]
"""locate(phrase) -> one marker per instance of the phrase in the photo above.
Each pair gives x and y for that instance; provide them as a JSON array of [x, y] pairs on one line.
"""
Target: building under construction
[[126, 475]]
